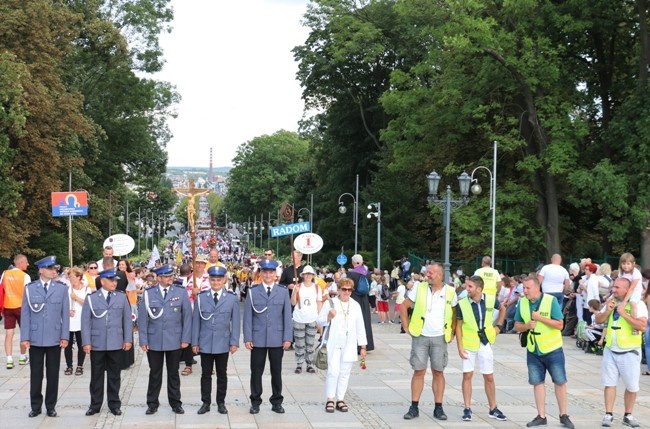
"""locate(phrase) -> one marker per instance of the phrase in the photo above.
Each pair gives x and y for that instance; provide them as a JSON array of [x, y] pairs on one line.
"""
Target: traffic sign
[[70, 203], [341, 259], [292, 228]]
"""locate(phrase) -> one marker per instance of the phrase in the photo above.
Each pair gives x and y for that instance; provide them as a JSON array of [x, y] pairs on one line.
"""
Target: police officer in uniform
[[267, 331], [106, 330], [165, 327], [215, 333], [45, 314]]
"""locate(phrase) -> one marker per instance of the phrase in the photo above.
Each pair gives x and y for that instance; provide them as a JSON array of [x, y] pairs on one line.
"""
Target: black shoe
[[51, 413], [34, 413], [277, 408], [298, 370], [412, 413], [204, 409], [91, 412], [151, 410], [116, 411], [255, 409], [439, 413], [222, 409], [178, 409], [310, 370]]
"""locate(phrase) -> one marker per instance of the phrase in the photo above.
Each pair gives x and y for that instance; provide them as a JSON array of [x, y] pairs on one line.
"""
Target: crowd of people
[[186, 310]]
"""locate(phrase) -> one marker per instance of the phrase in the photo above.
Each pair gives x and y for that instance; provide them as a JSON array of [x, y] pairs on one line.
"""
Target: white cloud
[[231, 62]]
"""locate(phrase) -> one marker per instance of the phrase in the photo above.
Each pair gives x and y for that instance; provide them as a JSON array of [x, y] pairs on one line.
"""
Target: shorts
[[397, 307], [425, 349], [552, 362], [485, 360], [11, 316], [626, 366], [382, 306]]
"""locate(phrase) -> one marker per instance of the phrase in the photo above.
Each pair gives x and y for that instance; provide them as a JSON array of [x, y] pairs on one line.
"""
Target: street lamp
[[300, 218], [476, 190], [377, 214], [268, 233], [355, 213], [447, 204]]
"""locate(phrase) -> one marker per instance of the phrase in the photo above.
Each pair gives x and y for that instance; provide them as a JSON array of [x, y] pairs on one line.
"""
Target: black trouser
[[258, 361], [110, 362], [171, 358], [67, 352], [209, 361], [51, 357], [187, 355]]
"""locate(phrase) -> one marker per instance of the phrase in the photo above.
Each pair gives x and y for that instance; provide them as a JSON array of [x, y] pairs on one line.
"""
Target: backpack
[[385, 293], [363, 287]]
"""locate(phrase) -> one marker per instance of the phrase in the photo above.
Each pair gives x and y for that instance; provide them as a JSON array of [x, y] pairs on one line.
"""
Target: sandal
[[68, 371], [329, 406], [79, 371], [187, 370], [340, 405]]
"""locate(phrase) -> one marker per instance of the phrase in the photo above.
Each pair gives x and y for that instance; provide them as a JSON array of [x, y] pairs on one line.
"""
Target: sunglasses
[[92, 268], [346, 289]]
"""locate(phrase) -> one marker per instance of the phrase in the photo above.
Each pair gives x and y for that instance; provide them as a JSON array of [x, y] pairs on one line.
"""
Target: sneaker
[[467, 414], [564, 419], [10, 364], [439, 413], [497, 414], [630, 421], [23, 360], [607, 420], [412, 413], [537, 421]]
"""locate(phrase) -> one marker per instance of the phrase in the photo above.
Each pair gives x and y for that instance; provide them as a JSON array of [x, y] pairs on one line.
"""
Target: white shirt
[[635, 275], [434, 318], [401, 292], [75, 321], [554, 277], [307, 310]]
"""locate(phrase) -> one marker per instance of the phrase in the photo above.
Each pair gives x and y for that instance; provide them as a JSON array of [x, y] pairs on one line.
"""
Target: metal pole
[[127, 217], [493, 196], [110, 213], [139, 231], [70, 220], [447, 264], [356, 215], [379, 235], [254, 230], [311, 213]]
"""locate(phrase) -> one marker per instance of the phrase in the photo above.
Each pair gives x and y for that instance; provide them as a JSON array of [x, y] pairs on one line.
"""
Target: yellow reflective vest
[[546, 338], [471, 340], [625, 339], [420, 310], [490, 278]]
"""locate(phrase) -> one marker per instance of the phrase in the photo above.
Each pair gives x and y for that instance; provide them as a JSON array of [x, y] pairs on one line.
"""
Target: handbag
[[320, 361], [523, 338]]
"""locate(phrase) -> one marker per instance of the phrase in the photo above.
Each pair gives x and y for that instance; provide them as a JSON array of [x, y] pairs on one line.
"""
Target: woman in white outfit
[[347, 331]]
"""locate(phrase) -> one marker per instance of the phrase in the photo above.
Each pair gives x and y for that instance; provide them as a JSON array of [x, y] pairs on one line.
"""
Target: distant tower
[[210, 178]]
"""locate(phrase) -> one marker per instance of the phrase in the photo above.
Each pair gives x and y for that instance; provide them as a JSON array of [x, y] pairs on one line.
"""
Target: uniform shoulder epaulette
[[150, 287], [180, 286], [281, 285], [120, 291], [231, 292], [256, 285]]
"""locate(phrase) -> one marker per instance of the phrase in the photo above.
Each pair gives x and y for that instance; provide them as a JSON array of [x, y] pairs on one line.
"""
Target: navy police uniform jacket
[[216, 327], [164, 324], [267, 319], [106, 326], [45, 318]]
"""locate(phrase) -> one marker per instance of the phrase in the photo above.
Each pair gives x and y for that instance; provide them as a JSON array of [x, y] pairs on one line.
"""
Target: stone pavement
[[377, 396]]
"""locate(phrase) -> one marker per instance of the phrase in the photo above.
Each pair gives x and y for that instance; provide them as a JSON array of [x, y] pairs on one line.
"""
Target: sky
[[231, 62]]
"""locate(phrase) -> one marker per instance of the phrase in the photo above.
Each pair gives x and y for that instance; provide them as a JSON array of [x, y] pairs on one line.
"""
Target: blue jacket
[[45, 318], [106, 326], [269, 324], [165, 324], [216, 328]]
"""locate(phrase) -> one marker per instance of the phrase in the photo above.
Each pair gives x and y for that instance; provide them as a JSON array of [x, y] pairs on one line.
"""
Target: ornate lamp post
[[377, 214], [476, 189], [355, 213], [448, 204]]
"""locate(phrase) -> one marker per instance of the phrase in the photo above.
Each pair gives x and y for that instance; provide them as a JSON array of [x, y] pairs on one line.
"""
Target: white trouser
[[338, 374]]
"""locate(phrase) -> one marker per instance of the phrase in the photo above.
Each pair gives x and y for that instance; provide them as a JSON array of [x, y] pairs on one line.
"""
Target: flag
[[154, 257]]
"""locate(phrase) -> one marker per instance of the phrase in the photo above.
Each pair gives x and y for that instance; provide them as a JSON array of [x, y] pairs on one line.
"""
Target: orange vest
[[14, 285]]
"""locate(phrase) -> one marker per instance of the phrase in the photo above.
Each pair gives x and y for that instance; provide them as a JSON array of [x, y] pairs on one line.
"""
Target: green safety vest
[[471, 340], [420, 309], [624, 336], [547, 339]]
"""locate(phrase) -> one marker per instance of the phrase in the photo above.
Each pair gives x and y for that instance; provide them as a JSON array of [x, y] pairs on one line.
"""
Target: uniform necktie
[[216, 298], [108, 298], [45, 287], [268, 291], [165, 293]]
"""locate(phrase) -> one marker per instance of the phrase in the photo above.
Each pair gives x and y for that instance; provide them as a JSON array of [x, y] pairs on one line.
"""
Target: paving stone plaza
[[378, 396]]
